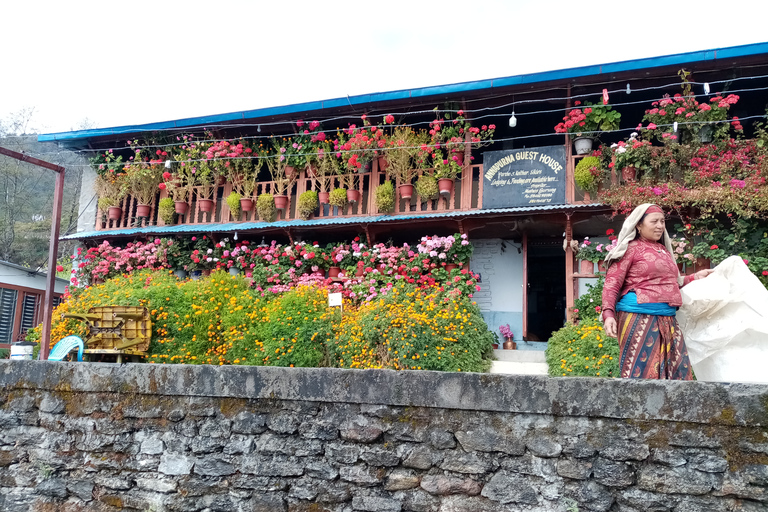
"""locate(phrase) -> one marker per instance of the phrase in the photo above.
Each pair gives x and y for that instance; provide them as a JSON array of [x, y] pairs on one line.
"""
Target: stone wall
[[77, 436]]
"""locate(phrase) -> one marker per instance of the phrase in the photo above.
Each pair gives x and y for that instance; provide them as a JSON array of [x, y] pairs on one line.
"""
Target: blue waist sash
[[628, 303]]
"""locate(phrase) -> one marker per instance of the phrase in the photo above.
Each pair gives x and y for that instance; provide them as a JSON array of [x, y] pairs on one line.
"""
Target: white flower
[[633, 134]]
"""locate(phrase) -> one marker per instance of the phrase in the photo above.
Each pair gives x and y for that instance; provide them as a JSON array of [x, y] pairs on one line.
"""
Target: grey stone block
[[506, 487], [374, 504], [175, 464], [443, 485]]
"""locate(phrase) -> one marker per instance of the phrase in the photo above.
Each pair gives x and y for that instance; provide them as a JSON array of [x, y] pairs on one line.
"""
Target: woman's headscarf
[[629, 232]]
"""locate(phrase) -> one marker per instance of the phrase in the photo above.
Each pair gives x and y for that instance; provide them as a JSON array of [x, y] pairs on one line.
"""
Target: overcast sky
[[120, 63]]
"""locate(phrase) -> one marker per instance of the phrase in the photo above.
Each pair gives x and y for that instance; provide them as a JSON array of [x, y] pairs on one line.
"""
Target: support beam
[[53, 248], [525, 285], [570, 281]]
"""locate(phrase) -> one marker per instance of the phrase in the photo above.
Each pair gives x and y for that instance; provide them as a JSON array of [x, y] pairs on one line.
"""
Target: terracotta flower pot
[[114, 212], [383, 164], [459, 157], [181, 207], [323, 197], [450, 266], [445, 185], [353, 196], [586, 267], [701, 264], [601, 266], [495, 346], [406, 191], [629, 173], [246, 204], [281, 202], [206, 205], [359, 272], [289, 171], [142, 210], [311, 171], [334, 272]]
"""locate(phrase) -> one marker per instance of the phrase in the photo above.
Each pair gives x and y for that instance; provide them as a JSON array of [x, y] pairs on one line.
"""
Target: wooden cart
[[116, 330]]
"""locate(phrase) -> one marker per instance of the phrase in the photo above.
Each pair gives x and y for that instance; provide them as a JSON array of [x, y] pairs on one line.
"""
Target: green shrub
[[308, 203], [583, 350], [166, 209], [265, 205], [426, 188], [587, 173], [338, 197], [588, 305], [233, 201], [385, 197]]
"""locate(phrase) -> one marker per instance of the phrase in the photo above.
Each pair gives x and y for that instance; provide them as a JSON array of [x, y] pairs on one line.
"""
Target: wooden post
[[570, 190], [525, 284], [570, 281]]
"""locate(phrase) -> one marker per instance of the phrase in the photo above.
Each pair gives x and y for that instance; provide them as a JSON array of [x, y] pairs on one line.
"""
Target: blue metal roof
[[464, 87], [325, 221]]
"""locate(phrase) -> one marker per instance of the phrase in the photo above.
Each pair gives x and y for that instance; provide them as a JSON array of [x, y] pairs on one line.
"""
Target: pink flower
[[651, 126]]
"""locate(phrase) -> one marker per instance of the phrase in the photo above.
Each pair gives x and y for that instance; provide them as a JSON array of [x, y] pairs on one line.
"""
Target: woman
[[642, 284]]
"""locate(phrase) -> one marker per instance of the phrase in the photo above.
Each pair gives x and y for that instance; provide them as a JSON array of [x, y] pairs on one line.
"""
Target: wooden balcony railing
[[467, 195]]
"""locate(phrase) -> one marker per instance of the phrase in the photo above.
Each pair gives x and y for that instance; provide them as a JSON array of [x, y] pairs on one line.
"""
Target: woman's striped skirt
[[652, 347]]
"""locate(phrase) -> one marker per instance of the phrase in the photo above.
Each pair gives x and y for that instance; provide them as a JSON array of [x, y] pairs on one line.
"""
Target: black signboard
[[524, 177]]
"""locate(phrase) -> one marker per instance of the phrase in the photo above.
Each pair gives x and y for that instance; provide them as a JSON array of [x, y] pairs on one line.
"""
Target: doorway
[[546, 309]]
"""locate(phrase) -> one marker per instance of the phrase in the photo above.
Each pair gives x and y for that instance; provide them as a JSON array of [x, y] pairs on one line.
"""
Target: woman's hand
[[701, 274], [610, 327]]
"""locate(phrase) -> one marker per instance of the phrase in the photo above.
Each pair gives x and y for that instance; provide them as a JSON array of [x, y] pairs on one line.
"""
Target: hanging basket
[[583, 145]]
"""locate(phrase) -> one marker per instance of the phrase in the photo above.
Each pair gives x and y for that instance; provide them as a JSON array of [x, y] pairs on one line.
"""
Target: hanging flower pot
[[289, 171], [445, 185], [406, 191], [383, 164], [353, 196], [323, 197], [334, 272], [583, 145], [586, 267], [246, 204], [142, 210], [181, 207], [114, 212], [206, 205], [629, 173], [705, 134], [311, 170], [458, 156], [281, 202]]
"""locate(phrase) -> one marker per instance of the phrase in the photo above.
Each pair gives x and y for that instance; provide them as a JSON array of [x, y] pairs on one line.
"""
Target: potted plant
[[111, 187], [446, 171], [166, 210], [282, 181], [265, 206], [506, 332], [338, 197], [385, 197], [308, 203], [588, 173], [632, 156], [584, 125], [180, 184], [426, 187], [403, 146], [143, 179], [458, 252], [243, 172], [588, 254], [360, 145], [327, 166], [233, 201]]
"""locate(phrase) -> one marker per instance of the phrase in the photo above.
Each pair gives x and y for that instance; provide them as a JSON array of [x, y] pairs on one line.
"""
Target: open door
[[544, 289]]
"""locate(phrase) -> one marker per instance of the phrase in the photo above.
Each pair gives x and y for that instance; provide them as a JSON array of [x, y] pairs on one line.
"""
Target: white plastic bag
[[724, 319]]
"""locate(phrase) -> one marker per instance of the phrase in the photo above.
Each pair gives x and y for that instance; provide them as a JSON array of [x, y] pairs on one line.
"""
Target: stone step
[[520, 356], [518, 368]]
